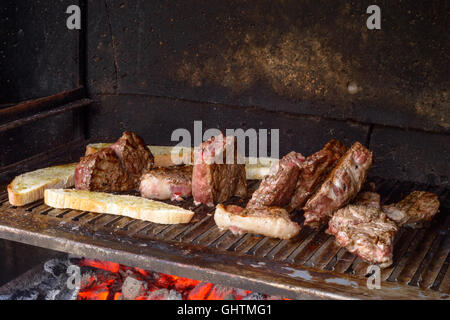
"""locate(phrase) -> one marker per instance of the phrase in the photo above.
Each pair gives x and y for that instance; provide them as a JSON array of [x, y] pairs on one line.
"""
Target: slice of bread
[[94, 147], [30, 186], [166, 156], [124, 205], [258, 168]]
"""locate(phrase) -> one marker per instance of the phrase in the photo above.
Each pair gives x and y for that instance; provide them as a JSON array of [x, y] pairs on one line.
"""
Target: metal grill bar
[[344, 262], [293, 245], [421, 256], [442, 280]]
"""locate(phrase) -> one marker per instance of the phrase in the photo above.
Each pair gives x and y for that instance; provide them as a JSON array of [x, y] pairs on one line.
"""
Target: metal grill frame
[[310, 266]]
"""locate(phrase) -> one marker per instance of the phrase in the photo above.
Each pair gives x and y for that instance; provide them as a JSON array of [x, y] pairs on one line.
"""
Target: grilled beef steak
[[102, 171], [368, 198], [277, 188], [366, 232], [216, 175], [136, 158], [272, 221], [172, 183], [116, 168], [314, 170], [417, 207], [340, 187]]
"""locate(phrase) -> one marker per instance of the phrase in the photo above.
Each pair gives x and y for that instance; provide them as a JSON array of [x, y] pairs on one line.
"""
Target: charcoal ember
[[27, 294], [164, 294], [52, 294], [64, 293], [219, 292], [47, 283], [56, 267], [74, 259], [200, 291], [133, 288], [88, 279], [116, 286], [240, 293], [54, 286], [174, 295], [125, 273], [254, 296]]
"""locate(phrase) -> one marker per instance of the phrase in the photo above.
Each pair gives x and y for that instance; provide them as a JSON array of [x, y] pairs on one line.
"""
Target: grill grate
[[304, 266]]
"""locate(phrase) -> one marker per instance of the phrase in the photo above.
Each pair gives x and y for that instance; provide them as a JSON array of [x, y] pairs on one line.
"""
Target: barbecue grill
[[308, 266], [149, 68]]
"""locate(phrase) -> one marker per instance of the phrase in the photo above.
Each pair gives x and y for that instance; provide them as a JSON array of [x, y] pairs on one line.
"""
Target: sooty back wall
[[310, 68]]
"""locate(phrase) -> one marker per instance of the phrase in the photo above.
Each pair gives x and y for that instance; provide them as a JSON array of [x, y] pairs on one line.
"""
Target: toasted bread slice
[[166, 156], [94, 147], [124, 205], [258, 168], [30, 186]]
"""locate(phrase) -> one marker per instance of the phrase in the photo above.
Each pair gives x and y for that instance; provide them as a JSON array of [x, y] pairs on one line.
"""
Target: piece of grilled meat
[[136, 158], [412, 211], [368, 198], [271, 221], [365, 231], [116, 168], [314, 170], [277, 188], [217, 176], [102, 171], [172, 183], [340, 187]]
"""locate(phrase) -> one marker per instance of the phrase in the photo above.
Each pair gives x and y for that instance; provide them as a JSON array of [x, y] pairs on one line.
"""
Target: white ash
[[254, 296], [133, 288], [52, 294], [226, 292], [164, 294], [47, 282]]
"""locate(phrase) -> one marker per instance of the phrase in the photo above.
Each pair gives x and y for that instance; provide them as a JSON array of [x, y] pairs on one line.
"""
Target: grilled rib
[[314, 170], [277, 188], [417, 207], [172, 183], [340, 187], [365, 231], [368, 198], [272, 221]]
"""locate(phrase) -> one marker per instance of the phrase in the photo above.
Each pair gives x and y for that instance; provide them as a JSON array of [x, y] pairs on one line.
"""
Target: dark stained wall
[[155, 118], [296, 56], [39, 57], [159, 65], [38, 54]]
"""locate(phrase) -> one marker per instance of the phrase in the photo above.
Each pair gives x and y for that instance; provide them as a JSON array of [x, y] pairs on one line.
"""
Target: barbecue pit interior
[[310, 69]]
